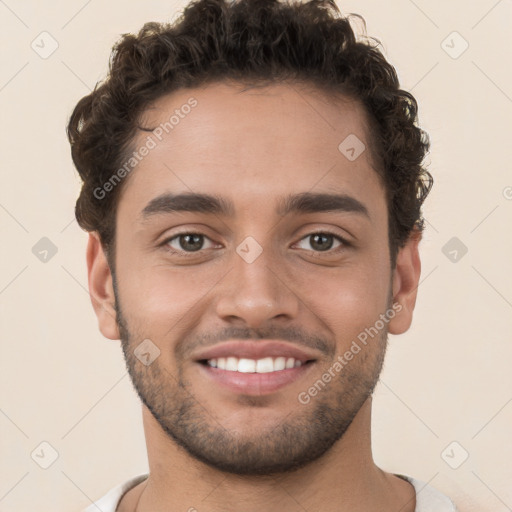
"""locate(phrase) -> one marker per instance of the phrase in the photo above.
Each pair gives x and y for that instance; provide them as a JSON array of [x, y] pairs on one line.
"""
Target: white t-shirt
[[428, 499]]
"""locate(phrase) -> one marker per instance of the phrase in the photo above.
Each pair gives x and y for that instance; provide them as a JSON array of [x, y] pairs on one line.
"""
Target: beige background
[[447, 379]]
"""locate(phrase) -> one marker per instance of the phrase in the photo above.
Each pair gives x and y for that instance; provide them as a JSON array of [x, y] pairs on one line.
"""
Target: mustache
[[293, 335]]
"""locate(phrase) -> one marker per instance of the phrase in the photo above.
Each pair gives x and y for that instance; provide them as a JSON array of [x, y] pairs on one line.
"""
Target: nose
[[254, 293]]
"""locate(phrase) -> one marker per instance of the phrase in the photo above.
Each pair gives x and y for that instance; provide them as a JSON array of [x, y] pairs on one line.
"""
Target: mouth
[[248, 379], [255, 367], [264, 365]]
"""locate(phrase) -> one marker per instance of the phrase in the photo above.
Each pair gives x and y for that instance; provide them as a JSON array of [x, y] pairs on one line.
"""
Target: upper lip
[[255, 349]]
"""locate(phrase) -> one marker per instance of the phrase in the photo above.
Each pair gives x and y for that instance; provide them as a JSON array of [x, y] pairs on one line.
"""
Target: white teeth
[[265, 365], [280, 363], [232, 364], [245, 366]]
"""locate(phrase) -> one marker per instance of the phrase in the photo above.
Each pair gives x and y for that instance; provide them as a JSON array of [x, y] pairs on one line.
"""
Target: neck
[[344, 479]]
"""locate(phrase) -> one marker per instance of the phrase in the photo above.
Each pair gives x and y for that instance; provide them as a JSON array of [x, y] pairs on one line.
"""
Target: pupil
[[192, 242], [322, 237]]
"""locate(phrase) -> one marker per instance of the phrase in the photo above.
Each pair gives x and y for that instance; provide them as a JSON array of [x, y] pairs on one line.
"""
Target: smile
[[243, 365]]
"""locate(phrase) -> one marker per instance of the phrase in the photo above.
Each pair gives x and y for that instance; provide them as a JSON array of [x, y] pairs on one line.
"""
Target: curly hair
[[255, 42]]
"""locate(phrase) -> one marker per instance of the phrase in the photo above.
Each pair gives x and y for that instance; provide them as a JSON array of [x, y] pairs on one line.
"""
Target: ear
[[101, 289], [406, 277]]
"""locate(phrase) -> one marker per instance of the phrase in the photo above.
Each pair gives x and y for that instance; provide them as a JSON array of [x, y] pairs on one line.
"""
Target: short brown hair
[[250, 41]]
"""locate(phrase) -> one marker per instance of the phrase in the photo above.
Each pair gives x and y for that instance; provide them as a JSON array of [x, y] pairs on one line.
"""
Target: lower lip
[[255, 383]]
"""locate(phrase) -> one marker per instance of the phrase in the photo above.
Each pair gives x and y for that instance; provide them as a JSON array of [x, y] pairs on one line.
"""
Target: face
[[231, 305]]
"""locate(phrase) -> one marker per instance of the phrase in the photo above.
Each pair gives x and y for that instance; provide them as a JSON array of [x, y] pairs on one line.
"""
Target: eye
[[323, 241], [188, 242]]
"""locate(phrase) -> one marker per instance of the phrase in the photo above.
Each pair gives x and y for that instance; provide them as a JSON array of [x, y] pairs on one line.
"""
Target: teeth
[[232, 364], [280, 363], [245, 366], [265, 365]]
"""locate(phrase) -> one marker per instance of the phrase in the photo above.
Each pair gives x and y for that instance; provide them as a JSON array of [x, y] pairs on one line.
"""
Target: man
[[252, 185]]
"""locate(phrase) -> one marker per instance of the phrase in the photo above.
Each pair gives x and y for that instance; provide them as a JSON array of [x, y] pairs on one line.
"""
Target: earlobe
[[101, 289], [405, 284]]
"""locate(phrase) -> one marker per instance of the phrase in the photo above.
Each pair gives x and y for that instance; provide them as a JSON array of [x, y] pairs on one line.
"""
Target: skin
[[211, 448]]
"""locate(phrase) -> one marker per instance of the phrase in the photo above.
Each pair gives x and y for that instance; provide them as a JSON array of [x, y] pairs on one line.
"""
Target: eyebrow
[[302, 203]]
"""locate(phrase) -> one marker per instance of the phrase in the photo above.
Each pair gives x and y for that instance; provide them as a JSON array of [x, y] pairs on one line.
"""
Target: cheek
[[348, 299], [161, 301]]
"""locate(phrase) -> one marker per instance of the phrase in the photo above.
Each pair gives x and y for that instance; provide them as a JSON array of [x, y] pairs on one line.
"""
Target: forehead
[[251, 145]]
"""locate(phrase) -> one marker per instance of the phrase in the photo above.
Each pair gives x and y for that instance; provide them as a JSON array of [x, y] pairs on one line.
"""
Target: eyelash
[[165, 243]]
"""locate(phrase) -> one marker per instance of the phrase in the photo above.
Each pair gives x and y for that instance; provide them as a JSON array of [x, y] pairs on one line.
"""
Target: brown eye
[[187, 242], [322, 241]]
